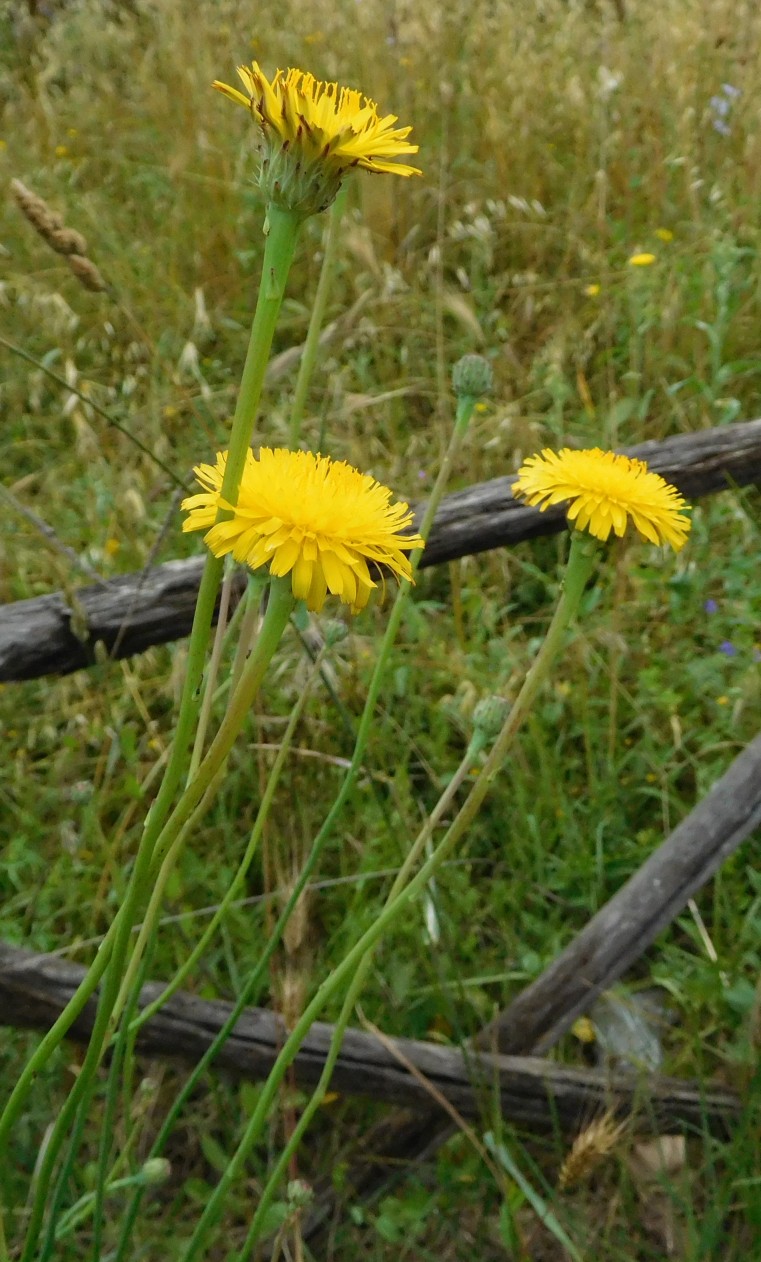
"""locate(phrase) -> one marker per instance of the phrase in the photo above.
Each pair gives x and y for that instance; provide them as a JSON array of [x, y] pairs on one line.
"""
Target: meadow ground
[[562, 145]]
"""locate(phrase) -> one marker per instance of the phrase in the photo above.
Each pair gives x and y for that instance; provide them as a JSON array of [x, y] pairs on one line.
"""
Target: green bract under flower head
[[313, 133]]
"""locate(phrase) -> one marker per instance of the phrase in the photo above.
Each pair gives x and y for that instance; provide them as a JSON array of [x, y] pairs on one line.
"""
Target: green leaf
[[537, 1203]]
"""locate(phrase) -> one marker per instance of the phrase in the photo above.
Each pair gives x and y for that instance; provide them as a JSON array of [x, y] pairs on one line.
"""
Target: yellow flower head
[[316, 519], [605, 491], [314, 133], [641, 260]]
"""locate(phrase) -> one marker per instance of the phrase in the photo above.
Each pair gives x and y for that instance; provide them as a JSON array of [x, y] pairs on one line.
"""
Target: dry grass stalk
[[86, 272], [50, 225], [66, 241], [589, 1148]]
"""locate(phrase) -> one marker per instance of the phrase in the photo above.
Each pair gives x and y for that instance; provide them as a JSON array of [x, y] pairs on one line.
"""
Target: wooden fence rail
[[533, 1092]]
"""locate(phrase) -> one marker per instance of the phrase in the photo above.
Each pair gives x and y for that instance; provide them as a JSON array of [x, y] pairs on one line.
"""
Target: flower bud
[[490, 714], [472, 376], [156, 1170], [299, 1194]]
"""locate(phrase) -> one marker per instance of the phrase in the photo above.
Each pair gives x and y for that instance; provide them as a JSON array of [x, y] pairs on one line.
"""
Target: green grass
[[541, 180]]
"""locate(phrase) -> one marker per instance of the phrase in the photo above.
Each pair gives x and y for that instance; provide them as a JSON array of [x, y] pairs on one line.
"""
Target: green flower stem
[[465, 405], [200, 790], [158, 811], [279, 249], [278, 254], [312, 343], [288, 1053], [210, 682], [112, 995], [318, 845], [119, 1082], [464, 412], [248, 629], [4, 1256], [583, 554], [51, 1040], [153, 910], [280, 245], [465, 408], [581, 561], [235, 885], [84, 1207]]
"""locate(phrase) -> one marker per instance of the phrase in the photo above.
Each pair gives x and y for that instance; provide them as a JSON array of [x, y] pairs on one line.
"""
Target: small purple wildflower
[[711, 606], [720, 106], [728, 648]]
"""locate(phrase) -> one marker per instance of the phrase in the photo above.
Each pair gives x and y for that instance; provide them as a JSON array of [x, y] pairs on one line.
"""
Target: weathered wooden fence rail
[[56, 634], [533, 1092]]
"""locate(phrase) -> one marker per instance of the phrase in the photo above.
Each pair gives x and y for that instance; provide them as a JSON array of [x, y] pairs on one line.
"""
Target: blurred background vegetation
[[558, 141]]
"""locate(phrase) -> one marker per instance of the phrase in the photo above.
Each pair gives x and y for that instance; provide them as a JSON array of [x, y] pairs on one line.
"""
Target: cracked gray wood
[[533, 1092]]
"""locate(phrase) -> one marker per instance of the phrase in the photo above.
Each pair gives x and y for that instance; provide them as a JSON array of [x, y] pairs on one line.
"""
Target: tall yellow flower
[[605, 491], [314, 133], [316, 519]]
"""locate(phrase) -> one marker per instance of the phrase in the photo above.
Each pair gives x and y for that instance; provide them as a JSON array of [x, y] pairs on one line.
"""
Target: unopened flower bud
[[299, 1194], [156, 1170], [472, 376], [490, 714]]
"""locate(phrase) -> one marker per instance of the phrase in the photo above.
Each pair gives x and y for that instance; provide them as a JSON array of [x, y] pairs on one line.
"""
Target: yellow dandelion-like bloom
[[319, 520], [592, 290], [314, 133], [664, 234], [605, 491], [641, 260]]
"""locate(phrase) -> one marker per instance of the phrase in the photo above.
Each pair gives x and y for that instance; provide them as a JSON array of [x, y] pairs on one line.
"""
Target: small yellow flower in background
[[111, 547], [314, 133], [641, 260], [61, 151], [583, 1030], [592, 290], [306, 515], [664, 234], [605, 490]]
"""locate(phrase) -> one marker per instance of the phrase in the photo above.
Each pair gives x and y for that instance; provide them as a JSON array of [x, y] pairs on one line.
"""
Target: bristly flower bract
[[313, 133]]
